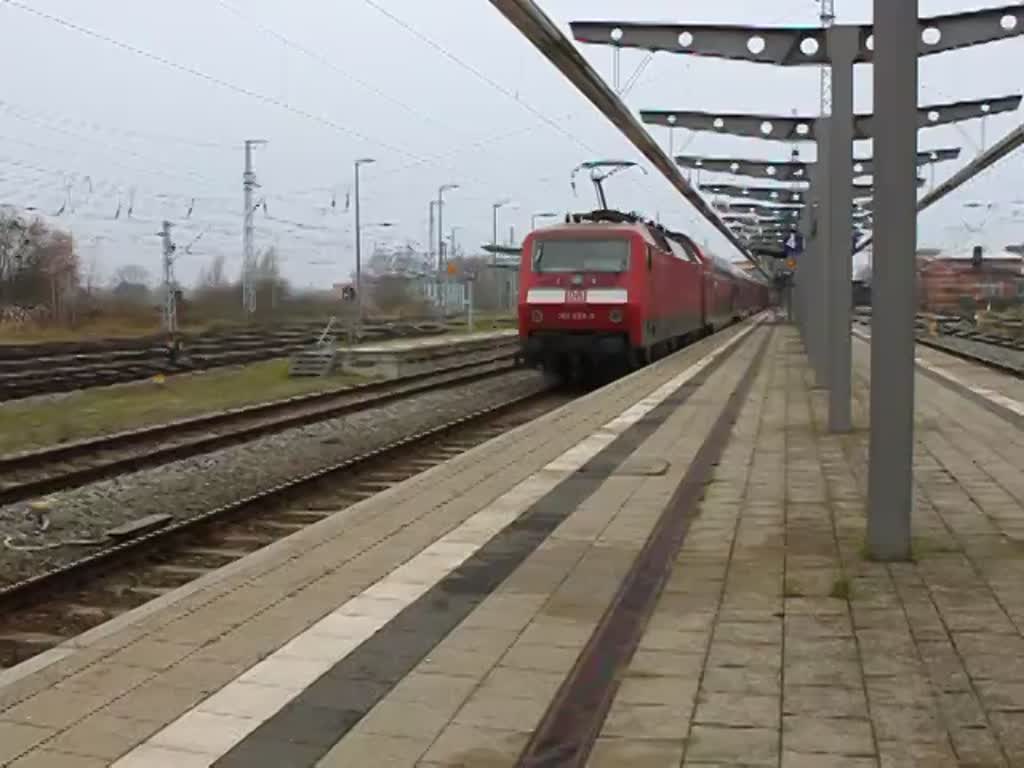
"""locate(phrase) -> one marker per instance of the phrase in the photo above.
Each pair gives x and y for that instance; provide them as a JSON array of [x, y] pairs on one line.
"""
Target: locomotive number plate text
[[575, 296], [577, 316]]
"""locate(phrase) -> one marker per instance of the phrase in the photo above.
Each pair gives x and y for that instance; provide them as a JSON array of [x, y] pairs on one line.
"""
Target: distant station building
[[506, 258]]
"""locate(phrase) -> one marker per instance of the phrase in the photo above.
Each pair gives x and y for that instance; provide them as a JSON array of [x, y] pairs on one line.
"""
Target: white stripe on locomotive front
[[607, 296], [594, 296], [545, 296]]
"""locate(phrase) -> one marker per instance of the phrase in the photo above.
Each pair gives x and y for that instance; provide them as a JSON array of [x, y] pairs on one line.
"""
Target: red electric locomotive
[[607, 291]]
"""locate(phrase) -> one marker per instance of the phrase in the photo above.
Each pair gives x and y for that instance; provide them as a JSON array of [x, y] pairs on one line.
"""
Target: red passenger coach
[[606, 291]]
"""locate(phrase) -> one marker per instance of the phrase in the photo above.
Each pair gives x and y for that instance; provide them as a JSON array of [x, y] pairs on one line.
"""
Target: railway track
[[37, 473], [41, 612], [1005, 355], [977, 351], [32, 369]]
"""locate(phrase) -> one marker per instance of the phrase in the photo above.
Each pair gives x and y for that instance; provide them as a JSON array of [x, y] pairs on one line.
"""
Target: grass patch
[[485, 324], [923, 547], [917, 549], [494, 325], [841, 589], [865, 553], [105, 410]]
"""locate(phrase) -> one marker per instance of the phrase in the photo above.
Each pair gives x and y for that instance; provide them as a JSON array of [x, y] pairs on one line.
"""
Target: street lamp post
[[453, 231], [359, 261], [494, 218], [440, 236], [440, 221], [430, 238]]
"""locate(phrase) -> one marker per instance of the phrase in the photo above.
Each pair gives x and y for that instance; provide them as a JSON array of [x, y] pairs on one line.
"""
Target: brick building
[[963, 281]]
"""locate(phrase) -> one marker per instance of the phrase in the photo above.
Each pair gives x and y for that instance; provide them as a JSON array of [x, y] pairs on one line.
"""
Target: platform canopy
[[792, 46], [502, 250], [789, 129]]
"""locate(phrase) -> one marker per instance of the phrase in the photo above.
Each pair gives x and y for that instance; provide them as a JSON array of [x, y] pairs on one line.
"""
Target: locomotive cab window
[[680, 252], [564, 255]]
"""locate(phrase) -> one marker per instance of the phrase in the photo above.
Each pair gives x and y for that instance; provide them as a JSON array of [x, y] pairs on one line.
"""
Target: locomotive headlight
[[537, 316], [615, 315]]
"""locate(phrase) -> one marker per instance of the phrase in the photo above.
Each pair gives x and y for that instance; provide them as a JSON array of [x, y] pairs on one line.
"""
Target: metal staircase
[[319, 359]]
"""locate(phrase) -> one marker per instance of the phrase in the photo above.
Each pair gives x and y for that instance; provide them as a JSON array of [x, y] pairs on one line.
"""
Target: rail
[[45, 598], [60, 467]]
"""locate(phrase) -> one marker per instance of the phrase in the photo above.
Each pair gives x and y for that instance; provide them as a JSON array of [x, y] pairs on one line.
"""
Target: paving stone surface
[[515, 680], [814, 656], [774, 642], [159, 662]]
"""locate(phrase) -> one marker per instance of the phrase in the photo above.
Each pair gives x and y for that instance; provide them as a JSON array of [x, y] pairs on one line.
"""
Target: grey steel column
[[842, 44], [803, 276], [890, 477], [814, 302], [823, 182], [806, 269], [810, 272], [807, 224]]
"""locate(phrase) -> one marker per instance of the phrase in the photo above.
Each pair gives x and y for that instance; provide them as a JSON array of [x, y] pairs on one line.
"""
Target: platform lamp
[[494, 217], [542, 215], [440, 221]]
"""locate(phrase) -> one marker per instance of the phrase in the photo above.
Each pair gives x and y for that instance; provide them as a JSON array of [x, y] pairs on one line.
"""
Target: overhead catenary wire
[[476, 72], [121, 188], [243, 90], [545, 119], [212, 79], [150, 168], [509, 93], [67, 24], [57, 126], [1006, 146], [162, 138], [535, 26], [325, 61]]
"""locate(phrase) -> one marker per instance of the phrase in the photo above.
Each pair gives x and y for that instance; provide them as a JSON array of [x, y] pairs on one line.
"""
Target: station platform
[[403, 357], [665, 572]]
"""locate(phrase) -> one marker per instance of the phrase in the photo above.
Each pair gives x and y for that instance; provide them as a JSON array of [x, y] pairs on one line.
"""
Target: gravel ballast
[[32, 541]]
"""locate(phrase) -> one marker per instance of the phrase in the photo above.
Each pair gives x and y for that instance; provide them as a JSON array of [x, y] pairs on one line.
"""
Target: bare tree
[[131, 274], [213, 276], [391, 293], [271, 288], [131, 285], [38, 265], [90, 280]]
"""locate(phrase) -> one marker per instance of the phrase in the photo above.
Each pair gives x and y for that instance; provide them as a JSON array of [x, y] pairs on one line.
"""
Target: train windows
[[564, 255], [679, 251], [689, 248]]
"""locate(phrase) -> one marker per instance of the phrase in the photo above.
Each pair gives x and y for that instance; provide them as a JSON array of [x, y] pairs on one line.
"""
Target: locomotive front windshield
[[581, 255]]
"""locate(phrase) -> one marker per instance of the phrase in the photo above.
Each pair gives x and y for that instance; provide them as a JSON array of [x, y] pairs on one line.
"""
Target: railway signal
[[170, 308]]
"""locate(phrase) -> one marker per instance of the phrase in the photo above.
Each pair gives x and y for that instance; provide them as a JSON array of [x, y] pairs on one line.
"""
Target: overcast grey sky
[[350, 80]]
